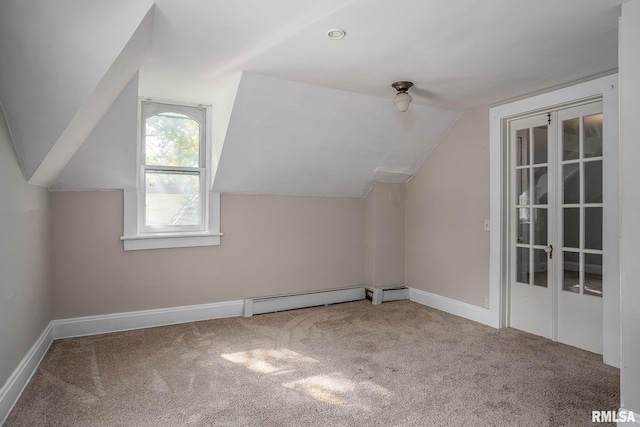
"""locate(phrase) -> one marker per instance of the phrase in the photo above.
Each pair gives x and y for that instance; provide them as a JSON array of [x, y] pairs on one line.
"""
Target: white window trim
[[135, 238]]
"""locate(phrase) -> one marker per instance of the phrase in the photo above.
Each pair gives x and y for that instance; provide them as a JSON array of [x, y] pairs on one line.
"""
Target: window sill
[[170, 240]]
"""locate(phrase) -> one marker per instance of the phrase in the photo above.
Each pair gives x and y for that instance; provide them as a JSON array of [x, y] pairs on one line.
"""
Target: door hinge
[[549, 116]]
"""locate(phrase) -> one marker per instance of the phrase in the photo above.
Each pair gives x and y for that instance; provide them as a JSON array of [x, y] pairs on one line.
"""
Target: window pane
[[571, 276], [571, 183], [522, 147], [523, 225], [593, 228], [540, 226], [570, 139], [593, 182], [172, 139], [593, 135], [593, 274], [522, 273], [540, 145], [522, 186], [571, 227], [540, 273], [540, 186], [172, 199]]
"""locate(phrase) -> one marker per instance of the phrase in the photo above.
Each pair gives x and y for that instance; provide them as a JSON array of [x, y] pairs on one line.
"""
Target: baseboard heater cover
[[392, 293], [301, 300]]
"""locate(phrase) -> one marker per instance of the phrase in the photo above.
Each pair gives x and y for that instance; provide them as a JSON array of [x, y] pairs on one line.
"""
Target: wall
[[370, 238], [271, 245], [25, 290], [447, 251], [630, 201], [384, 235]]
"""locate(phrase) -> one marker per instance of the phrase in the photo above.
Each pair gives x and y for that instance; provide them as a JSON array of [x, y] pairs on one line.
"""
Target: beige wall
[[271, 245], [630, 197], [25, 290], [447, 251], [384, 235]]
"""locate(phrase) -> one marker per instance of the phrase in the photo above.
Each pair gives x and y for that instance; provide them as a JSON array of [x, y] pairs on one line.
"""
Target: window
[[173, 205]]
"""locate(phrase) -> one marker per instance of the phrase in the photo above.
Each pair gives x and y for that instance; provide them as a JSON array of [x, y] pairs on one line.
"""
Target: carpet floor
[[396, 364]]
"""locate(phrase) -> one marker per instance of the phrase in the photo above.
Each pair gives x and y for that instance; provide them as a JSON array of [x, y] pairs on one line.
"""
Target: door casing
[[605, 88]]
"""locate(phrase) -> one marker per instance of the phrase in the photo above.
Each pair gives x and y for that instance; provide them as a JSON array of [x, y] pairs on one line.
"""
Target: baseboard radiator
[[302, 300], [391, 293]]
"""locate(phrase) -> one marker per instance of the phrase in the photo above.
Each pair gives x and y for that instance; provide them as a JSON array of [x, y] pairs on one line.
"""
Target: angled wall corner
[[384, 235], [63, 67], [107, 158], [132, 57], [221, 118]]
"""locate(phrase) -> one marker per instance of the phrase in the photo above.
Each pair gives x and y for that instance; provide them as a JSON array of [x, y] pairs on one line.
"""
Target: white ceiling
[[310, 115], [459, 54]]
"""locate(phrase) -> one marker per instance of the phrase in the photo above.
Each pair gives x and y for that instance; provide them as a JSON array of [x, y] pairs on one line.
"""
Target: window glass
[[172, 139], [173, 173]]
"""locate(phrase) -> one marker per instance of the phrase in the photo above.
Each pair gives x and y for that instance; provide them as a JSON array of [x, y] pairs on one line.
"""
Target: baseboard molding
[[458, 308], [92, 325], [18, 380]]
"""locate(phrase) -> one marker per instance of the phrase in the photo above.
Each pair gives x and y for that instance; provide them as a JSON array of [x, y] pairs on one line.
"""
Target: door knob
[[549, 250]]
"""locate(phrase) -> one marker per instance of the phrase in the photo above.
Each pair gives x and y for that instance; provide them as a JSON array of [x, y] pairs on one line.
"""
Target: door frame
[[605, 88]]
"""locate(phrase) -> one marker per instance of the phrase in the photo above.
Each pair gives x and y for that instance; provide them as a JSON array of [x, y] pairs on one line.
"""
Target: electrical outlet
[[487, 225]]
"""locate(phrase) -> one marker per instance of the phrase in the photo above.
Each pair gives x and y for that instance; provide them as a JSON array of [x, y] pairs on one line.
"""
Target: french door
[[556, 225]]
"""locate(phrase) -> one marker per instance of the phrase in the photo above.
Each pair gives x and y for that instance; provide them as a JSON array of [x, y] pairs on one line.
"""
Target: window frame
[[148, 109], [137, 235]]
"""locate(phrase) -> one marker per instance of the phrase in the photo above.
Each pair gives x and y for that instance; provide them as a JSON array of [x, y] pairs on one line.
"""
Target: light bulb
[[402, 101]]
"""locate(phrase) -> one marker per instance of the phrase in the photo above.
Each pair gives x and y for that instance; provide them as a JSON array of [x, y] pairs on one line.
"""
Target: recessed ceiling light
[[336, 34]]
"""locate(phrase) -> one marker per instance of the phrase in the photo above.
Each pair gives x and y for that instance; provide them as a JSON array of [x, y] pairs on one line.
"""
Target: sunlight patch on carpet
[[336, 389], [269, 361], [333, 388]]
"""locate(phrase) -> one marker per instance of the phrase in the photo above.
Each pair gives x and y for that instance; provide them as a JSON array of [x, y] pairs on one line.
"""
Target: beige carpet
[[345, 365]]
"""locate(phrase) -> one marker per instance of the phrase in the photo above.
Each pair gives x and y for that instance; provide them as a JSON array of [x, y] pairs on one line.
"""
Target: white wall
[[25, 291], [447, 251], [630, 202]]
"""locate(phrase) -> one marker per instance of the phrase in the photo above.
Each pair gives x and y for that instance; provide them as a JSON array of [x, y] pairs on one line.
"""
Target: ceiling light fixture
[[402, 99], [336, 34]]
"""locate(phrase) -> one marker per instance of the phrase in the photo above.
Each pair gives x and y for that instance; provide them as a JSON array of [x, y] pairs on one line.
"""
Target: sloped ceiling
[[309, 115], [298, 139], [107, 159], [63, 65]]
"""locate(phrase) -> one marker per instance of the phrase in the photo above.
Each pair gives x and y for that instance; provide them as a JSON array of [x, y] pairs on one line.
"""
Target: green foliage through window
[[172, 139]]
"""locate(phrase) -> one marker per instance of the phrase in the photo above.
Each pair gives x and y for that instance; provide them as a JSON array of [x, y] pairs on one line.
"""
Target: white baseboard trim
[[458, 308], [19, 378], [92, 325]]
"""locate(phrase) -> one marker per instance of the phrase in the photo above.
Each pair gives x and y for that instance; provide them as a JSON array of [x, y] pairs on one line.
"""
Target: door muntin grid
[[581, 154], [531, 201]]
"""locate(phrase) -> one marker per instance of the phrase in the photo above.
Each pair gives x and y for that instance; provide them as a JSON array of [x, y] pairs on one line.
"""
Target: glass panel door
[[530, 293], [580, 290], [556, 223]]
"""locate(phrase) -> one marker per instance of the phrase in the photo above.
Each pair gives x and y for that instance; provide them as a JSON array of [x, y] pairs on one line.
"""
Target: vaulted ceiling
[[294, 112]]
